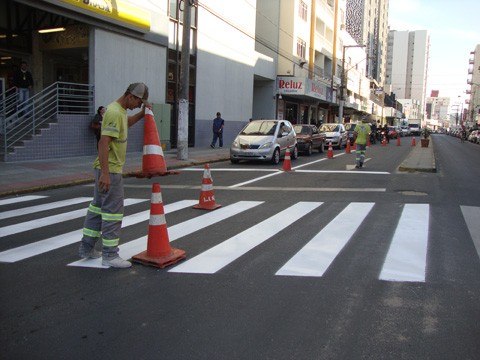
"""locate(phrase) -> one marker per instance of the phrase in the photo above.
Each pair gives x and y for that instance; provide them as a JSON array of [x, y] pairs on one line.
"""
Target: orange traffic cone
[[368, 142], [159, 253], [398, 141], [347, 148], [330, 150], [413, 142], [207, 198], [153, 161], [384, 141], [287, 165]]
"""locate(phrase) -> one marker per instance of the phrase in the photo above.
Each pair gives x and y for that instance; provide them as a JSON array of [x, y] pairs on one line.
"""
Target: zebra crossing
[[405, 261]]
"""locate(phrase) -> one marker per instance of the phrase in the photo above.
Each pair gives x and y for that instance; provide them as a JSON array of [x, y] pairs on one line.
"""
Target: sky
[[454, 32]]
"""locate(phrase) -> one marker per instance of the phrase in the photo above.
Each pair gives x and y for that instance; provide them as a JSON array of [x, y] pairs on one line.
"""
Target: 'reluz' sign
[[302, 86]]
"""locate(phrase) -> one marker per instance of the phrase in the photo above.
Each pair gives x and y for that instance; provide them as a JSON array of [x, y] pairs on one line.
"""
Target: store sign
[[119, 10], [302, 86]]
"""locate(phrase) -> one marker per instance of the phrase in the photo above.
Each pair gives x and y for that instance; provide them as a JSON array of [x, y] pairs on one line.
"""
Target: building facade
[[473, 116]]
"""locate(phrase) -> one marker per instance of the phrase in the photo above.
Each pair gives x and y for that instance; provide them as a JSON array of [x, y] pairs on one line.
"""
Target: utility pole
[[182, 128]]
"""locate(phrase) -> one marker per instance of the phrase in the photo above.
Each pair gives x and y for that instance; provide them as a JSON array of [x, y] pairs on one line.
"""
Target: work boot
[[116, 262]]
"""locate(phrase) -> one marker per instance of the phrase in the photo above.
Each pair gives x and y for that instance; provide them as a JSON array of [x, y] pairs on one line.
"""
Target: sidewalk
[[29, 176]]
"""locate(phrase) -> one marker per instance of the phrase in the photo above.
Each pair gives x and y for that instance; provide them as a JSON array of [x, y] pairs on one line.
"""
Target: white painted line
[[136, 246], [471, 214], [260, 188], [18, 199], [319, 253], [43, 207], [407, 257], [223, 254], [43, 246], [316, 161], [344, 171], [232, 169], [256, 179], [50, 220]]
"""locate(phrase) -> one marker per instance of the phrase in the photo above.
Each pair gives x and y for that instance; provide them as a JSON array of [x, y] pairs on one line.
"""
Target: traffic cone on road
[[159, 253], [413, 141], [368, 142], [347, 148], [207, 198], [153, 161], [287, 165], [330, 151], [384, 141], [398, 141]]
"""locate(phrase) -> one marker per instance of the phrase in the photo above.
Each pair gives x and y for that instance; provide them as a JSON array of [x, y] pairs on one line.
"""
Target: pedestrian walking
[[23, 81], [96, 123], [217, 128], [360, 135], [105, 213]]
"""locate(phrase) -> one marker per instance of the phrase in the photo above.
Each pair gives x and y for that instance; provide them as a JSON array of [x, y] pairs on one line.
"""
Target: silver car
[[336, 135], [265, 140]]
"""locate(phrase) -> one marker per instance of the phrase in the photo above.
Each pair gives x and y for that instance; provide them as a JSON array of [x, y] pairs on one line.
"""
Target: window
[[301, 48], [302, 11]]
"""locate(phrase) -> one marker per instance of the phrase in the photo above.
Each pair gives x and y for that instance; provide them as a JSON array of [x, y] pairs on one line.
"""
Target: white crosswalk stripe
[[18, 199], [405, 260]]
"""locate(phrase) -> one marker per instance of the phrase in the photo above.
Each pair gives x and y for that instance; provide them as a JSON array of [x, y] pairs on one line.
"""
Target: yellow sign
[[116, 9]]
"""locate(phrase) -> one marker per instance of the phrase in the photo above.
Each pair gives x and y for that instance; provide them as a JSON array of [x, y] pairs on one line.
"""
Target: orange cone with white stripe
[[413, 142], [330, 151], [347, 148], [398, 141], [207, 198], [287, 164], [153, 161], [159, 253]]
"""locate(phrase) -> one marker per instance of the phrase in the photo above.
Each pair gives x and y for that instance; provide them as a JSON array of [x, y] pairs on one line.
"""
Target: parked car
[[264, 140], [350, 129], [414, 129], [309, 138], [335, 134], [406, 130], [473, 137]]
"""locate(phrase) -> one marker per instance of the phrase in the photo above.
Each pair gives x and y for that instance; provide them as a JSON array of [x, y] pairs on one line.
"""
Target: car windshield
[[304, 130], [260, 128], [350, 127], [330, 127]]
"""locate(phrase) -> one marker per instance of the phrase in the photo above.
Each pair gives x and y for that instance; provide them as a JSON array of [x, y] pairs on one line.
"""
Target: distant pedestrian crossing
[[405, 260]]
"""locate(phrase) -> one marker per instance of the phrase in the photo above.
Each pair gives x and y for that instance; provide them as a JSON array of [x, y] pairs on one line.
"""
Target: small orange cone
[[384, 141], [413, 142], [207, 198], [330, 150], [398, 141], [368, 142], [347, 149], [159, 253], [153, 161], [287, 165]]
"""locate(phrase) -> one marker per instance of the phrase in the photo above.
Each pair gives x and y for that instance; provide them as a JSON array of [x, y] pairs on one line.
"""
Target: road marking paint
[[175, 232], [407, 257], [259, 188], [344, 171], [231, 169], [50, 220], [224, 253], [319, 253], [42, 207], [18, 199], [43, 246], [471, 214]]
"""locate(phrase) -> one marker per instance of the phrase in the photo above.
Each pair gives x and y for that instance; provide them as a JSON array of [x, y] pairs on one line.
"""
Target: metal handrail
[[22, 119]]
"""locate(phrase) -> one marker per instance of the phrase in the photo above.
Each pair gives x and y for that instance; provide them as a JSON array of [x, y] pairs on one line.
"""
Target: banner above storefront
[[120, 11], [287, 85]]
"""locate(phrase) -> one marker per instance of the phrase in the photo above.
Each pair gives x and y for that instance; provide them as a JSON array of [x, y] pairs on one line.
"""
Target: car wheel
[[294, 153], [308, 151], [234, 161], [276, 156]]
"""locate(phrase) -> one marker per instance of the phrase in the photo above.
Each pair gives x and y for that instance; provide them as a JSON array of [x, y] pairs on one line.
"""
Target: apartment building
[[473, 116]]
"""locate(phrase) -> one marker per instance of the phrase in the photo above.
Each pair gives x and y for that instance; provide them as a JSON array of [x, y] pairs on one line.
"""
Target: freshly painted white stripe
[[232, 169], [50, 220], [344, 172], [223, 254], [157, 220], [43, 207], [21, 199], [471, 214], [407, 257], [316, 161], [175, 232], [260, 188], [43, 246], [256, 179], [318, 254]]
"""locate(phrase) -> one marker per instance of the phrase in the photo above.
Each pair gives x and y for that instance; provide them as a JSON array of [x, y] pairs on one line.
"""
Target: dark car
[[309, 138], [350, 129]]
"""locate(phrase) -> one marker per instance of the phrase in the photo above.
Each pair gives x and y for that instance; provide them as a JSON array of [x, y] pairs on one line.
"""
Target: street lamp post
[[342, 83]]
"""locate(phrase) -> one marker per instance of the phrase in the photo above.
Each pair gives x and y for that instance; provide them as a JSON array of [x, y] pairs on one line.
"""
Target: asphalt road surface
[[324, 262]]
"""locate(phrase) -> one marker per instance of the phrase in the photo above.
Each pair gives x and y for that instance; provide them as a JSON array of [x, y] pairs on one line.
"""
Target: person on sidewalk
[[23, 81], [218, 124], [360, 136], [105, 213]]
